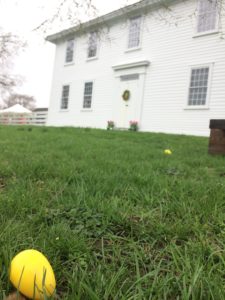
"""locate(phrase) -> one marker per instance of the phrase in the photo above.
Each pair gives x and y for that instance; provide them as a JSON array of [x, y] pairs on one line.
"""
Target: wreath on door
[[126, 95]]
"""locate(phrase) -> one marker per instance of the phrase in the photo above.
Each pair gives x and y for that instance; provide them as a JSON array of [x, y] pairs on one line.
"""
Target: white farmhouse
[[170, 60]]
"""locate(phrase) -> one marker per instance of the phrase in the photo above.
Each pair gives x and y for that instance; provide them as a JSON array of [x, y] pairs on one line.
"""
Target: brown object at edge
[[217, 137]]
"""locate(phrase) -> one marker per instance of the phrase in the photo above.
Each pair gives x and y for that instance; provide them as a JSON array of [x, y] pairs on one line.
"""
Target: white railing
[[39, 118], [22, 119]]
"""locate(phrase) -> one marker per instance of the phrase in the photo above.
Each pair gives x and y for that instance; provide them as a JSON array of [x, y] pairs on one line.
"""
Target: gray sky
[[36, 62]]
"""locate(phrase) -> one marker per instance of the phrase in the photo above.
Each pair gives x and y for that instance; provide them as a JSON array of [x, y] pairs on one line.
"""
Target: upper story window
[[199, 86], [65, 97], [134, 32], [69, 51], [93, 44], [207, 15], [88, 90]]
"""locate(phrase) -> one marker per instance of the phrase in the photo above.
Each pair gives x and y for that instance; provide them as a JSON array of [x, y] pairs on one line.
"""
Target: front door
[[127, 109]]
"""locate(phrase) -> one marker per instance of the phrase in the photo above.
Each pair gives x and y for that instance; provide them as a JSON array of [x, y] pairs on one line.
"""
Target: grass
[[116, 218]]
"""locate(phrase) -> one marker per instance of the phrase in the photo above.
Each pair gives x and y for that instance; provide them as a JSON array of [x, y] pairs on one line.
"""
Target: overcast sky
[[36, 62]]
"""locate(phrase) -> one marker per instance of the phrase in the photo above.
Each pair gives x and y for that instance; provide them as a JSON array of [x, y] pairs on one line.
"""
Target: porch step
[[121, 128]]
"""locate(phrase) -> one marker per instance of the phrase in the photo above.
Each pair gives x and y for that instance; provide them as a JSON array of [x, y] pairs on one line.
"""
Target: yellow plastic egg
[[32, 274], [167, 152]]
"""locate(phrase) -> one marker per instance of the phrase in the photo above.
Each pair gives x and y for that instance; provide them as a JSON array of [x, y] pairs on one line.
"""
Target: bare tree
[[68, 13], [9, 48], [25, 100]]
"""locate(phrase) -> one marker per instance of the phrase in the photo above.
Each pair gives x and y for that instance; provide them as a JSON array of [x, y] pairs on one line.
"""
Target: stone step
[[121, 128]]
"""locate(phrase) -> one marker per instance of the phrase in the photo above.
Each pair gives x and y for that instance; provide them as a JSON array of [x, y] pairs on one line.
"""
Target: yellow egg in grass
[[32, 274], [167, 152]]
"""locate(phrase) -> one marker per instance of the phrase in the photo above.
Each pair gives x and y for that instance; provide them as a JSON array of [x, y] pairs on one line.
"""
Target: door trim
[[133, 64]]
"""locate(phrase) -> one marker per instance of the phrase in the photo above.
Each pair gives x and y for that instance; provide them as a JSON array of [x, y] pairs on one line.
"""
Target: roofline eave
[[53, 38]]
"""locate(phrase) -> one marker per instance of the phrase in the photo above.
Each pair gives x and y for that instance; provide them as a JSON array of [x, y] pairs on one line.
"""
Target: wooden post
[[217, 137]]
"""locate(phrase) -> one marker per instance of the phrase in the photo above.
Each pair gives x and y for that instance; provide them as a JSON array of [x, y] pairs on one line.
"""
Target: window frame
[[207, 32], [84, 86], [61, 99], [206, 105], [128, 49], [67, 44], [97, 45]]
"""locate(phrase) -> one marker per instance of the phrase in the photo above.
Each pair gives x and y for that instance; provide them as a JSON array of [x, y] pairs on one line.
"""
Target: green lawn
[[116, 218]]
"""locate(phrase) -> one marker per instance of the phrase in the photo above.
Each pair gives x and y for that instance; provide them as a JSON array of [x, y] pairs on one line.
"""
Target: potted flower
[[133, 126], [110, 125]]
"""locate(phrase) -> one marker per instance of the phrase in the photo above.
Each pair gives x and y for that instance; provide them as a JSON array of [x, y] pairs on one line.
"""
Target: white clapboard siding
[[171, 47]]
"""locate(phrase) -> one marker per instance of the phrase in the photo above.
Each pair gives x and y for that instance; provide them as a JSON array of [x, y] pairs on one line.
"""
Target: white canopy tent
[[16, 109], [15, 115]]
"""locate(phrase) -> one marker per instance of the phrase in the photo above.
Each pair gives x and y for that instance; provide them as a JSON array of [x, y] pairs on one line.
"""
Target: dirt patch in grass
[[2, 183]]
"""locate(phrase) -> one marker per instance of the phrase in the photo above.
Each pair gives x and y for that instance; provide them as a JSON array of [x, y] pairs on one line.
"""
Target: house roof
[[108, 17]]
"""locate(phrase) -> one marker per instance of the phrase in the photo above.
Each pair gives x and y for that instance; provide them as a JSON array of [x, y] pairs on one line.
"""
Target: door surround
[[123, 70]]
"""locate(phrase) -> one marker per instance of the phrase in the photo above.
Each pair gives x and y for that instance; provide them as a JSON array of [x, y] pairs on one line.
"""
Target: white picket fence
[[36, 118], [39, 117]]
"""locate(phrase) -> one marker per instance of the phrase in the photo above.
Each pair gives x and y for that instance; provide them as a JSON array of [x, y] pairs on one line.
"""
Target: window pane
[[69, 51], [65, 97], [198, 86], [88, 89], [92, 44], [207, 15], [134, 32], [87, 102]]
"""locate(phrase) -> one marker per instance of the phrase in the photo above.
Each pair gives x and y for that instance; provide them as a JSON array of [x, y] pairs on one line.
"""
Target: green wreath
[[126, 95]]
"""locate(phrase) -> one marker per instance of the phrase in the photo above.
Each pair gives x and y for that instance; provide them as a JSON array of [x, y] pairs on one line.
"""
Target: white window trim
[[133, 49], [92, 58], [90, 109], [208, 32], [206, 106], [128, 34], [86, 110], [97, 50], [70, 62], [65, 109]]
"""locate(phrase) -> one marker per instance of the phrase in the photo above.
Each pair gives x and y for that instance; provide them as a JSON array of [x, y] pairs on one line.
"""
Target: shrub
[[134, 125], [110, 125]]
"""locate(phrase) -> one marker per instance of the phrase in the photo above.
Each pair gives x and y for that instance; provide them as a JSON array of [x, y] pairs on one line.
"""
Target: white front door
[[128, 110]]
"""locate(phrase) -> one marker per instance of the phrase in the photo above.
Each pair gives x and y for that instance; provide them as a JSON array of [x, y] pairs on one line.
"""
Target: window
[[198, 88], [88, 88], [65, 97], [134, 32], [207, 15], [69, 51], [93, 44]]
